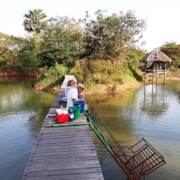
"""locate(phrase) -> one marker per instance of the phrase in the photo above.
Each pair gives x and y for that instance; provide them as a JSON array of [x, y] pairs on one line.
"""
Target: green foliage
[[104, 72], [8, 51], [64, 41], [27, 54], [59, 44], [103, 50], [172, 50], [35, 21], [133, 57], [108, 37], [51, 77], [56, 72]]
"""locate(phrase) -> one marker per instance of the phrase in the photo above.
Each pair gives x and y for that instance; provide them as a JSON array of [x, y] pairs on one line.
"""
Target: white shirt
[[67, 89], [72, 94]]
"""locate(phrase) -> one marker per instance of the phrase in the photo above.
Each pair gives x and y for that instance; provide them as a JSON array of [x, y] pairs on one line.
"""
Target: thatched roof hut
[[156, 56], [156, 60]]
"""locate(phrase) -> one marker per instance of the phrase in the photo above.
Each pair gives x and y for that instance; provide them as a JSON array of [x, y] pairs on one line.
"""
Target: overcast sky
[[162, 16]]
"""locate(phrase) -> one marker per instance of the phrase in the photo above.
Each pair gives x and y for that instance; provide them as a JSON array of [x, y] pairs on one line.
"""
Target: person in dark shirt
[[80, 88]]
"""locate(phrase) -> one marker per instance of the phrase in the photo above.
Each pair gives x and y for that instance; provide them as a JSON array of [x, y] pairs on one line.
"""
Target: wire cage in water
[[136, 162], [144, 160]]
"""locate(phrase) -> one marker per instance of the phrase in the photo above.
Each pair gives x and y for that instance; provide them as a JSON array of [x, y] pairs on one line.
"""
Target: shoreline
[[102, 89], [99, 88]]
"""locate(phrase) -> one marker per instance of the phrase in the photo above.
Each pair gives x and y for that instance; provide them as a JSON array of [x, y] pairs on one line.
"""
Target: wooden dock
[[63, 153]]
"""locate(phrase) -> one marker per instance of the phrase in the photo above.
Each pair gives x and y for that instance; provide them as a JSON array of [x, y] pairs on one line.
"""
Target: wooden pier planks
[[63, 153]]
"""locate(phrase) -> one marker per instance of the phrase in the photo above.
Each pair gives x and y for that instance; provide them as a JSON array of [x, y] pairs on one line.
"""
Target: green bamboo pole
[[67, 124]]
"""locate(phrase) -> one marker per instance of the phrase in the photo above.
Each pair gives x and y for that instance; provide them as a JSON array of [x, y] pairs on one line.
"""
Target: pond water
[[150, 112], [21, 115]]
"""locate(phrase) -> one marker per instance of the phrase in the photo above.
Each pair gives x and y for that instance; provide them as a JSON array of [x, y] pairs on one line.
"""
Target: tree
[[8, 51], [35, 21], [60, 43], [107, 37], [172, 50], [27, 54]]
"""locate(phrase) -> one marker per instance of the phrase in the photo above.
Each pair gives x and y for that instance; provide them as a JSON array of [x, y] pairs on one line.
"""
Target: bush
[[51, 77]]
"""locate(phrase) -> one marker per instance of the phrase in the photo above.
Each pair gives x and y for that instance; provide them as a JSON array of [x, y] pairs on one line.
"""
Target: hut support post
[[156, 75], [165, 75]]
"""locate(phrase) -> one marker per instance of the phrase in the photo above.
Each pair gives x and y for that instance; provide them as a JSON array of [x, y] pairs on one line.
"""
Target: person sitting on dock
[[80, 88], [71, 84], [75, 94], [72, 96]]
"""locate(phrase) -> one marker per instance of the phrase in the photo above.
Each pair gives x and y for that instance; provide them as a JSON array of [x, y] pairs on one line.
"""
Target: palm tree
[[34, 21]]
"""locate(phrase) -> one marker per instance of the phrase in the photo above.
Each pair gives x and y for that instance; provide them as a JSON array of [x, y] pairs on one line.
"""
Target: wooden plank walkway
[[63, 153]]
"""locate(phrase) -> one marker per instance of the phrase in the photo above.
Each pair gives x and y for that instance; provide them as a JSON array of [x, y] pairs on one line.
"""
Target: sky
[[162, 16]]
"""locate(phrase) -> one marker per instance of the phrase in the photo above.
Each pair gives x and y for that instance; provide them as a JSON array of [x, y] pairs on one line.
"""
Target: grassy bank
[[106, 77], [98, 76]]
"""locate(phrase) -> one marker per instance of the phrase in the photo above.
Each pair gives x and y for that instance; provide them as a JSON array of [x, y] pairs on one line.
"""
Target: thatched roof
[[156, 56]]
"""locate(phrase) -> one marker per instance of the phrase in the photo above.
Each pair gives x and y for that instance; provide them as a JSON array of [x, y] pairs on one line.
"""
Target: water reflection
[[154, 100], [21, 115], [150, 112]]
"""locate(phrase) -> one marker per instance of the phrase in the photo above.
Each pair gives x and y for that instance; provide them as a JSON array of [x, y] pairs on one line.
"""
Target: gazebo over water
[[156, 62]]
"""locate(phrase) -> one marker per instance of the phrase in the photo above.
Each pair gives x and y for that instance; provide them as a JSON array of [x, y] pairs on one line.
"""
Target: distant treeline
[[62, 42]]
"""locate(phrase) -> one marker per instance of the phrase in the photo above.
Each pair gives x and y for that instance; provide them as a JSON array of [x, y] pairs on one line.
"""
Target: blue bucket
[[81, 104]]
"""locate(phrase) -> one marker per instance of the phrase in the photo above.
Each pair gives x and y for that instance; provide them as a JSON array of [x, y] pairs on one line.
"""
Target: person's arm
[[81, 97], [74, 99]]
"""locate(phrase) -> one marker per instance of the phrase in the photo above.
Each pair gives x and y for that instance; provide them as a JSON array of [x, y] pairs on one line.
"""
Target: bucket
[[81, 104], [76, 110]]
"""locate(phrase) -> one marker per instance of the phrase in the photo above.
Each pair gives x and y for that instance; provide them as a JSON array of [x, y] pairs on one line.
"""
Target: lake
[[150, 112]]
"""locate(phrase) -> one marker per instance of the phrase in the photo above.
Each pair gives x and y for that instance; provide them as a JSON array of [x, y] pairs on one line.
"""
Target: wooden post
[[156, 75], [144, 96], [145, 78], [165, 75]]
